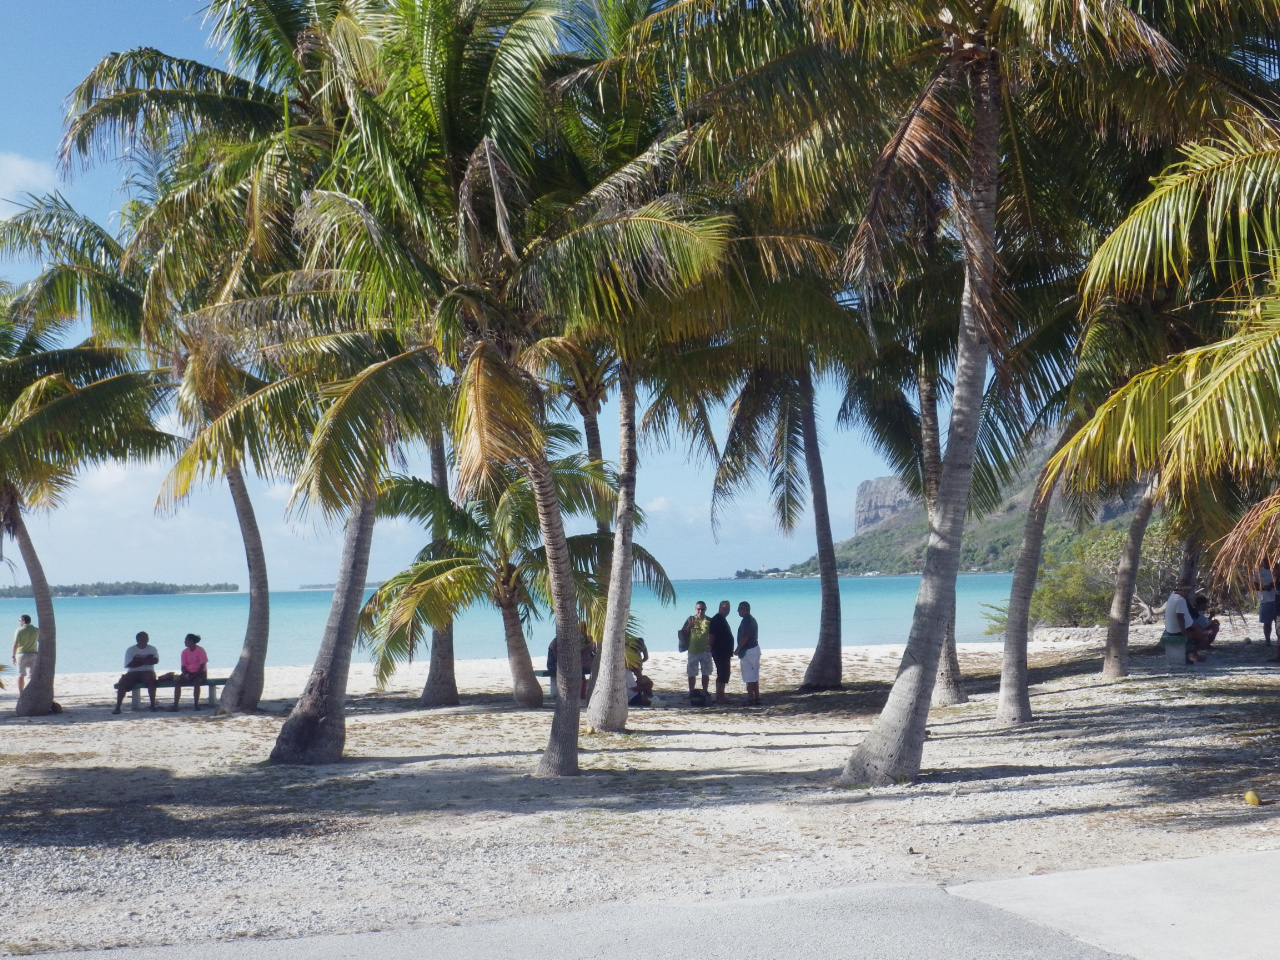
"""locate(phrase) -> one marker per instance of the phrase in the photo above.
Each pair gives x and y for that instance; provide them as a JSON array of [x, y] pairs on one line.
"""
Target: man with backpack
[[695, 638]]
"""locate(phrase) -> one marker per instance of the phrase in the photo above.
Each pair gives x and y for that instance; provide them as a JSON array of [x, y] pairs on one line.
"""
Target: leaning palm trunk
[[949, 691], [525, 688], [1115, 662], [37, 699], [607, 708], [892, 749], [315, 731], [595, 453], [560, 759], [1014, 705], [441, 688], [825, 671], [244, 688]]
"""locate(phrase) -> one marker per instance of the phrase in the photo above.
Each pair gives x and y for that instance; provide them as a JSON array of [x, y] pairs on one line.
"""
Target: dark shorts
[[137, 678], [191, 679], [723, 662], [1266, 611]]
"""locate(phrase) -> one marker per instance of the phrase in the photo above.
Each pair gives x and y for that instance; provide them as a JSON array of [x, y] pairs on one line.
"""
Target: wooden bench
[[212, 685]]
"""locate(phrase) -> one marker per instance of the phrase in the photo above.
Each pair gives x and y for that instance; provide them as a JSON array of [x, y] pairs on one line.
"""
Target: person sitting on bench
[[195, 672], [140, 667]]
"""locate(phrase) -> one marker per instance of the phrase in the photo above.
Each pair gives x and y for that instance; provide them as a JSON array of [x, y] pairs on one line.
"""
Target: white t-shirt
[[1177, 604], [137, 651], [632, 686], [1268, 591]]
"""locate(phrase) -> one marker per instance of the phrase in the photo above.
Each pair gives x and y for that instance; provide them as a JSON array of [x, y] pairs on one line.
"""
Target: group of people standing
[[707, 642], [710, 641]]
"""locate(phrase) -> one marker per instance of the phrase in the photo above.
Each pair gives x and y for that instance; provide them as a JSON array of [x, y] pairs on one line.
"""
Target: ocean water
[[93, 632]]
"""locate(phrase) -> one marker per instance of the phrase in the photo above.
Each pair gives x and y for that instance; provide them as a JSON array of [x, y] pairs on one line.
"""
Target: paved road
[[1207, 908], [870, 922]]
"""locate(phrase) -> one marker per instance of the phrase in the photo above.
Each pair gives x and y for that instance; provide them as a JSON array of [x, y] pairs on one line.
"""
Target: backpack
[[683, 634]]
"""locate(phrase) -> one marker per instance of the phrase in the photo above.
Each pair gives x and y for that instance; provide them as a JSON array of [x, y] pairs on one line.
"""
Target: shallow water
[[93, 632]]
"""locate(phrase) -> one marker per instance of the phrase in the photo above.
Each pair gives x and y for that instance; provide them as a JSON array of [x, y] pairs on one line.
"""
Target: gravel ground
[[155, 828]]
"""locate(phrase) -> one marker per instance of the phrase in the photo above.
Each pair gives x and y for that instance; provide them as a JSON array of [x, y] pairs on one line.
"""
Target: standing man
[[721, 648], [748, 653], [26, 644], [140, 667], [1265, 585], [697, 628]]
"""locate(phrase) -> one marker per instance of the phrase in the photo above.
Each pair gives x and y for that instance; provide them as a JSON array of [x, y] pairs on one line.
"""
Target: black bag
[[697, 699], [683, 634]]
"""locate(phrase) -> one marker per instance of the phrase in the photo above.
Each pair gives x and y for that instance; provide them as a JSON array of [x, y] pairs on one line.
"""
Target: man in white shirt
[[1265, 585], [1177, 619], [140, 667]]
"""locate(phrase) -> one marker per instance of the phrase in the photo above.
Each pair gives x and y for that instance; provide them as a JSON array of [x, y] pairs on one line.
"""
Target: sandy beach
[[153, 828]]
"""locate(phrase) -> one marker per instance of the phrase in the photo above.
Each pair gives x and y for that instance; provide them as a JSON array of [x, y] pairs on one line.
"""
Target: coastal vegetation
[[128, 588], [384, 226]]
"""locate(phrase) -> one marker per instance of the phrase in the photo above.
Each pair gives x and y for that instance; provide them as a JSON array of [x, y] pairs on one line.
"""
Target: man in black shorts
[[722, 643], [140, 669]]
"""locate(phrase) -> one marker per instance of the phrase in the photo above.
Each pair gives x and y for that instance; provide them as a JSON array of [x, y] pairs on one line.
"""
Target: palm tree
[[453, 211], [247, 142], [492, 553], [64, 408]]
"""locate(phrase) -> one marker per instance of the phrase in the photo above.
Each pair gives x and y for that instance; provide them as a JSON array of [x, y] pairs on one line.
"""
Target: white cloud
[[20, 175], [658, 505]]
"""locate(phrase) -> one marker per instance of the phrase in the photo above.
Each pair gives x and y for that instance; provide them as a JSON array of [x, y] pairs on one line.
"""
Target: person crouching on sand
[[195, 671]]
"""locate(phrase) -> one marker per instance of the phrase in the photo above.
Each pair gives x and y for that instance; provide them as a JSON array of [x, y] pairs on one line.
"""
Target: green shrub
[[1075, 590]]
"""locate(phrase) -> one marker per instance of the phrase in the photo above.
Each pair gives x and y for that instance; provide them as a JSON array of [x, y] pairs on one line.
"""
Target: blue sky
[[108, 530]]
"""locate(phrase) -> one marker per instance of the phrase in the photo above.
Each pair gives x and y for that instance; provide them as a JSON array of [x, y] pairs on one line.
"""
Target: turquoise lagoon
[[94, 631]]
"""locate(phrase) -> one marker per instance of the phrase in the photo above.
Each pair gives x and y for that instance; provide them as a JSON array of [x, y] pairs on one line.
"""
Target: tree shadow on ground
[[1166, 743]]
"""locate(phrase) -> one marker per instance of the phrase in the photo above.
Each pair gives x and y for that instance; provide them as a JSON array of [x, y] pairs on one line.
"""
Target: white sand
[[148, 828]]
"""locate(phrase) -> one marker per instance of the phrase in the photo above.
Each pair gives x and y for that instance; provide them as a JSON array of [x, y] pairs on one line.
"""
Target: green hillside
[[990, 544]]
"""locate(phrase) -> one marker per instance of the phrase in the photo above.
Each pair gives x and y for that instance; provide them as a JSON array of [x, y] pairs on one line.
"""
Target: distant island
[[131, 588], [369, 585]]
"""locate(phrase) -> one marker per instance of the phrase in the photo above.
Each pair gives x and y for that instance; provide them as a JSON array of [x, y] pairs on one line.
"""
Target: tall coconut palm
[[463, 214], [957, 97], [249, 141], [64, 409], [492, 554]]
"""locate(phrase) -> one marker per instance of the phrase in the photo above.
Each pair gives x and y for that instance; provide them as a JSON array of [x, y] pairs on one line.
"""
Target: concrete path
[[871, 922], [1208, 908]]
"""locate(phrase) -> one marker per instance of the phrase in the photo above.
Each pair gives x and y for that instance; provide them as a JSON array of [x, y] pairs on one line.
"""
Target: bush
[[1075, 591]]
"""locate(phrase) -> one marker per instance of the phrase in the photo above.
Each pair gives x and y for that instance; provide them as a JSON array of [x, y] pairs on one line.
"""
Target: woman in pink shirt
[[194, 673]]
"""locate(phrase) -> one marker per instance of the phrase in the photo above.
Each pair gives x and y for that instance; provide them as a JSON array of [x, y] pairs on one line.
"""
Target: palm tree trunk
[[1191, 553], [826, 669], [37, 699], [441, 688], [525, 688], [316, 730], [244, 688], [607, 709], [595, 448], [1014, 705], [595, 451], [560, 759], [1115, 662], [948, 690], [892, 749]]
